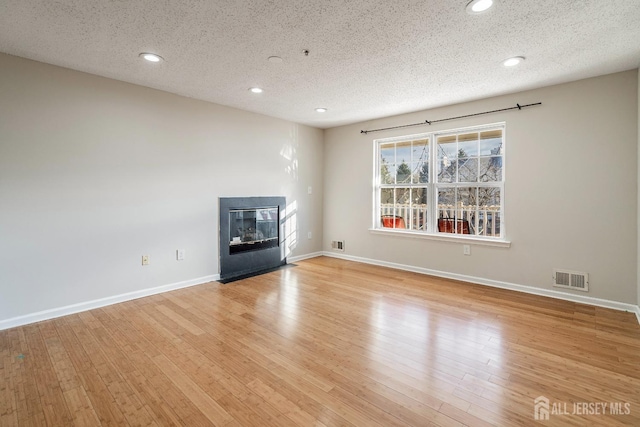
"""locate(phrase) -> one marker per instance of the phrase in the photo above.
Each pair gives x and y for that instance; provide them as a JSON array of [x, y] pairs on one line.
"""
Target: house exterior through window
[[449, 182]]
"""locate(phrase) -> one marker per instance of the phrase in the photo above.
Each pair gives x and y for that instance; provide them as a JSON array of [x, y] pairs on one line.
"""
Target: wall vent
[[337, 245], [567, 279]]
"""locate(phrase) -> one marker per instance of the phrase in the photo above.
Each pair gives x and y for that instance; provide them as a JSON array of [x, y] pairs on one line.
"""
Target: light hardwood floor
[[327, 342]]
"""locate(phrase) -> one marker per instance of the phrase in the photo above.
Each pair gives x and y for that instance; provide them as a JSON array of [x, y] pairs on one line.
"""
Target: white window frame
[[432, 189]]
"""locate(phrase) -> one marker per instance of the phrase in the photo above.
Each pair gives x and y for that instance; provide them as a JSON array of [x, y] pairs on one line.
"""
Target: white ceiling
[[368, 58]]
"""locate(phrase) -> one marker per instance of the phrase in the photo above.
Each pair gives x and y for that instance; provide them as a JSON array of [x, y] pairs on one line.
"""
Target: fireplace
[[251, 234]]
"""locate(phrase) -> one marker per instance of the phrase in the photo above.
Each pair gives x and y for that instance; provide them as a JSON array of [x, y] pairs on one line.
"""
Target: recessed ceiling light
[[479, 6], [275, 59], [255, 90], [321, 110], [512, 62], [151, 57]]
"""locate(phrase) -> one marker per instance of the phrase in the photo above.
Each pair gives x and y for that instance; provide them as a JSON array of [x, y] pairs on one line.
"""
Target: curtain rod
[[427, 122]]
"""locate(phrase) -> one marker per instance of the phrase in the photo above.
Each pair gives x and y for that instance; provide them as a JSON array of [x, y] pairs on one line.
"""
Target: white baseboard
[[90, 305], [305, 256], [496, 284]]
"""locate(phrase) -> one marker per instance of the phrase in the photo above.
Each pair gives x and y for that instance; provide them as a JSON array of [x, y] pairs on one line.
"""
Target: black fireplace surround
[[251, 236]]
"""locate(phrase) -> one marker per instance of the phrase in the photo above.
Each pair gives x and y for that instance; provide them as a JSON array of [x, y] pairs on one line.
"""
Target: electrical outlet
[[466, 249], [309, 235], [180, 254], [145, 259]]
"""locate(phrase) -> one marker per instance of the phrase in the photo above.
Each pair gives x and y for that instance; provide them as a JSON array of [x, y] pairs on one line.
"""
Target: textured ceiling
[[368, 58]]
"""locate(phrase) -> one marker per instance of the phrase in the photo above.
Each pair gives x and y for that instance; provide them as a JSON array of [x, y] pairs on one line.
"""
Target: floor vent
[[575, 280], [337, 245]]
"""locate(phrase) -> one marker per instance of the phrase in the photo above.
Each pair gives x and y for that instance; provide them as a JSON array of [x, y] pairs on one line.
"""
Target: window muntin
[[452, 186]]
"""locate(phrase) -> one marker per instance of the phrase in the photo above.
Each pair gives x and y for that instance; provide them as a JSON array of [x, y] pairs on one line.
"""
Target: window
[[442, 183]]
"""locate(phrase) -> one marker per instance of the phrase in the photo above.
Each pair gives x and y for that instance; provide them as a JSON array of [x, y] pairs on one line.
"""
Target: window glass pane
[[415, 176], [491, 134], [489, 212], [403, 174], [386, 198], [489, 197], [421, 174], [467, 210], [493, 227], [419, 208], [447, 170], [392, 221], [447, 154], [403, 196], [490, 169], [387, 209], [468, 145], [491, 143], [468, 170], [387, 153], [403, 152], [447, 147], [387, 173], [387, 163], [402, 209], [446, 210], [420, 151], [473, 136], [446, 202]]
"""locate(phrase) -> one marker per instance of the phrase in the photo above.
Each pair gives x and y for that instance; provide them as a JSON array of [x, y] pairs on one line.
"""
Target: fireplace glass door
[[253, 229]]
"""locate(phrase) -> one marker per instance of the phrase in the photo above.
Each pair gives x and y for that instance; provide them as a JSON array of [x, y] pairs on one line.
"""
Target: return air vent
[[337, 245], [575, 280]]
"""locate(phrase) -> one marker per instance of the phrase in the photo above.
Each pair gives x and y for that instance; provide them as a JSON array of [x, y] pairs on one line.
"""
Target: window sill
[[472, 240]]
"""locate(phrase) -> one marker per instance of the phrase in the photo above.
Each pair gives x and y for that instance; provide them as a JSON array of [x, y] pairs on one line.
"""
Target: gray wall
[[570, 192], [95, 173]]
